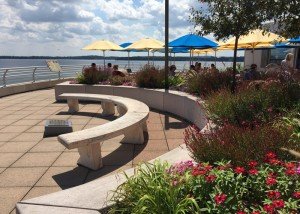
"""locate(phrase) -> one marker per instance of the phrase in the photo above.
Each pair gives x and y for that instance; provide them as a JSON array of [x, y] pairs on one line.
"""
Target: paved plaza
[[31, 165]]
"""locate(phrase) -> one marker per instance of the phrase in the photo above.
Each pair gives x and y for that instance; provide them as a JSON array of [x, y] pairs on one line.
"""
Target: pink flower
[[271, 181], [220, 198], [255, 212], [240, 212], [278, 204], [273, 194]]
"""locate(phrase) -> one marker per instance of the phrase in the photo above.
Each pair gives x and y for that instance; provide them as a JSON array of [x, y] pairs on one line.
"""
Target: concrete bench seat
[[131, 123]]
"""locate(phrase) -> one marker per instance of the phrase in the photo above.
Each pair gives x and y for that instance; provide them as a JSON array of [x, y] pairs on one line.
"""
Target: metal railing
[[16, 75]]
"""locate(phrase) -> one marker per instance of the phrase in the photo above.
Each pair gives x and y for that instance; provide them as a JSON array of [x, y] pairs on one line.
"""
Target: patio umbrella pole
[[148, 58], [190, 57], [216, 57], [128, 60], [166, 50], [252, 55], [104, 58]]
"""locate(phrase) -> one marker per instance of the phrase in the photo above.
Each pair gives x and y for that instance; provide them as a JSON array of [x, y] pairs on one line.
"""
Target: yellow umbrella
[[103, 45], [146, 44], [255, 39]]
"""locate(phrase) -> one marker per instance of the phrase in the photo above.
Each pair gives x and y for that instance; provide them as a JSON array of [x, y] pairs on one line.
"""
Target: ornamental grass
[[189, 187]]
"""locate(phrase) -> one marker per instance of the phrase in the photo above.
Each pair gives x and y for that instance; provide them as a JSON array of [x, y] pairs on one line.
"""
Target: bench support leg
[[121, 110], [134, 135], [108, 108], [73, 105], [90, 156], [145, 127]]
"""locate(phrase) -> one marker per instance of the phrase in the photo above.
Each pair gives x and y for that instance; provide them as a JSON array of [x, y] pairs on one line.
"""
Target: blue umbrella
[[192, 41], [295, 40]]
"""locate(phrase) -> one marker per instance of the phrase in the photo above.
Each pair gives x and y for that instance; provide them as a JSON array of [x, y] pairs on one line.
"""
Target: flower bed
[[190, 187]]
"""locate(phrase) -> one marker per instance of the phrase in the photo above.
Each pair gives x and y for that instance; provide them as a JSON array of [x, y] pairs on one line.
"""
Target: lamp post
[[166, 44]]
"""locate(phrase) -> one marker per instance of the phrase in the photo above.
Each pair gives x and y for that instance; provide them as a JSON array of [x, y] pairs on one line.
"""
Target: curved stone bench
[[94, 196], [132, 123]]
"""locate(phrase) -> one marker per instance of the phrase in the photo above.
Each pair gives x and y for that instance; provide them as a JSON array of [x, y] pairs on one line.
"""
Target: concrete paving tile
[[7, 136], [48, 146], [47, 139], [2, 143], [29, 137], [155, 127], [37, 159], [175, 134], [25, 113], [98, 121], [153, 145], [36, 129], [13, 117], [39, 191], [6, 112], [9, 196], [117, 158], [15, 108], [58, 117], [26, 122], [174, 143], [67, 159], [33, 108], [105, 171], [21, 177], [63, 177], [17, 147], [80, 121], [36, 117], [145, 156], [2, 169], [89, 126], [78, 127], [155, 120], [13, 128], [109, 146], [156, 135], [7, 122]]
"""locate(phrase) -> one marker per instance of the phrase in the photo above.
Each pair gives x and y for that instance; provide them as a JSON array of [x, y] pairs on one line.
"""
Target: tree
[[226, 18]]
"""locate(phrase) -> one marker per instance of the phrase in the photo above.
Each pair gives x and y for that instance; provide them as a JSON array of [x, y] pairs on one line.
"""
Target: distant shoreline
[[134, 58]]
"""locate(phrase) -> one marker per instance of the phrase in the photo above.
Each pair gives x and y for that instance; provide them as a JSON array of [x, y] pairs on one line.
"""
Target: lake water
[[25, 74]]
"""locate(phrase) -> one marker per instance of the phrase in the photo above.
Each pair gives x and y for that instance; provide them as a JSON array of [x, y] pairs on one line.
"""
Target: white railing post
[[33, 74], [4, 77]]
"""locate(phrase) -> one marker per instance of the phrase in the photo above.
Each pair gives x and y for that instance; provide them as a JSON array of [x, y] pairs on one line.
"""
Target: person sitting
[[198, 67], [109, 70], [192, 68], [172, 70], [91, 73], [287, 63], [252, 73], [213, 68], [116, 71]]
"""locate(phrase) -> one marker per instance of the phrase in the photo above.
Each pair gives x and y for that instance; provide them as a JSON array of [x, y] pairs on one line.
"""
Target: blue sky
[[63, 27]]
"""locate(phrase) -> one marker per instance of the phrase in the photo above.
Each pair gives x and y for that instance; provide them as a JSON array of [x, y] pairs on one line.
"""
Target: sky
[[63, 27]]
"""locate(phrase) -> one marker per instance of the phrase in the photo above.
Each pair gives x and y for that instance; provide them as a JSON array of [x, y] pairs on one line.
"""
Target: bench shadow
[[89, 114], [111, 162]]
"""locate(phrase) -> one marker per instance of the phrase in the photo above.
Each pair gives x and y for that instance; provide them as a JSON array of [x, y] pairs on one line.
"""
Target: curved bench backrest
[[136, 113]]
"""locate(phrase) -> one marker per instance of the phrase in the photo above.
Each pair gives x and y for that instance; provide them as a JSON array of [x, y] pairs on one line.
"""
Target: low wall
[[30, 86], [178, 103], [93, 197]]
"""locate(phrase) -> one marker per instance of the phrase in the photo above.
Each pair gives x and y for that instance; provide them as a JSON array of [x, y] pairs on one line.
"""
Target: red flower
[[290, 165], [296, 194], [220, 198], [290, 172], [274, 162], [210, 178], [252, 164], [270, 155], [239, 170], [197, 172], [271, 181], [253, 172], [278, 203], [208, 167], [273, 194], [240, 212], [269, 208], [255, 212]]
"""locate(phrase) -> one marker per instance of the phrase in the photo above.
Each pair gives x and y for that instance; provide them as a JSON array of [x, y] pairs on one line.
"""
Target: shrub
[[91, 76], [150, 77], [239, 144], [257, 102], [189, 187], [119, 80], [206, 82]]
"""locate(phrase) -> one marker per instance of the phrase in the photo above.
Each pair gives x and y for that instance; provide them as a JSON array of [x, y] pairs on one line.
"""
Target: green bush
[[238, 144], [189, 187], [119, 80], [255, 103], [150, 77], [93, 77], [206, 82]]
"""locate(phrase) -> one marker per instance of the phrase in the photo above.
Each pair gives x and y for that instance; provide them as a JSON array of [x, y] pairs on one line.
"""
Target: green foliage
[[294, 123], [176, 81], [188, 187], [119, 80], [80, 78], [239, 144], [150, 77], [151, 191], [206, 82], [260, 101]]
